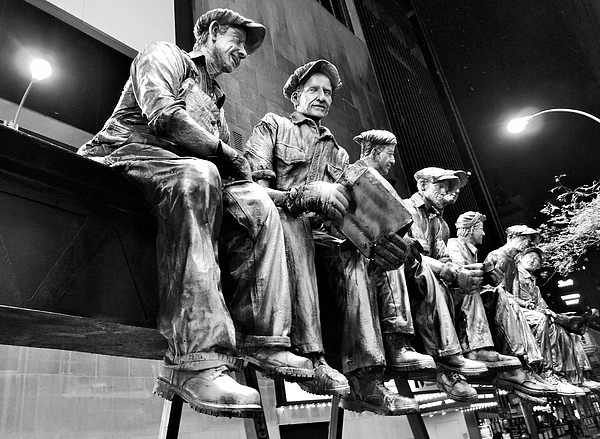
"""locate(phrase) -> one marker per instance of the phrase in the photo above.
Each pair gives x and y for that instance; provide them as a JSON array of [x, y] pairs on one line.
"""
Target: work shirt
[[526, 291], [428, 227], [461, 252], [294, 151], [506, 265], [163, 80]]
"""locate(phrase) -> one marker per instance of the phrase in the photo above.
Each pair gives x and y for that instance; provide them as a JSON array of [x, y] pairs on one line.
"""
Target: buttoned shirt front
[[526, 290], [428, 227], [461, 252], [293, 151], [163, 80]]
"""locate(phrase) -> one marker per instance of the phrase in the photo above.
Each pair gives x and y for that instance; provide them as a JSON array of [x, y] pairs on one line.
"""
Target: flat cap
[[456, 179], [255, 32], [537, 250], [379, 137], [522, 230], [469, 219], [302, 73]]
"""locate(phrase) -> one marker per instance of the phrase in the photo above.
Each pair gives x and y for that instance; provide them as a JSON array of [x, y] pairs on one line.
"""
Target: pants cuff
[[201, 361], [245, 342]]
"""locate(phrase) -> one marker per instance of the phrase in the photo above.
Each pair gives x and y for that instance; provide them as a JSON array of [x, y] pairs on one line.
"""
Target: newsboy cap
[[302, 73], [379, 137], [537, 250], [522, 230], [255, 32], [456, 179], [469, 219]]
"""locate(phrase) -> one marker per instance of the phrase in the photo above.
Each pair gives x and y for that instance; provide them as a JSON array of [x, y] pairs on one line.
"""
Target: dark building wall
[[299, 31], [419, 104]]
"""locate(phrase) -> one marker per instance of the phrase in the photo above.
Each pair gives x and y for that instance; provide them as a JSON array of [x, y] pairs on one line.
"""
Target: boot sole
[[468, 372], [510, 387], [341, 390], [533, 399], [166, 390], [499, 367], [359, 407], [464, 399], [409, 367], [292, 374]]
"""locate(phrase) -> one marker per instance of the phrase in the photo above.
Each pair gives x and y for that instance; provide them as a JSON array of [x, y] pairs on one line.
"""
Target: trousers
[[190, 203]]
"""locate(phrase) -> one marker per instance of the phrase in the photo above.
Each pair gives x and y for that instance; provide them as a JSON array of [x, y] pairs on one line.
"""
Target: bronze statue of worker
[[167, 135]]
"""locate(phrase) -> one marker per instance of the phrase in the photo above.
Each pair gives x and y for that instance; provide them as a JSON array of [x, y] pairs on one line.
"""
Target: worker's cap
[[456, 179], [379, 137], [255, 32], [522, 230], [537, 250], [302, 73], [469, 219]]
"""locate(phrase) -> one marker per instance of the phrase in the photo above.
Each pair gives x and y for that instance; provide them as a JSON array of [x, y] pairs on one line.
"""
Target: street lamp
[[518, 125], [40, 69]]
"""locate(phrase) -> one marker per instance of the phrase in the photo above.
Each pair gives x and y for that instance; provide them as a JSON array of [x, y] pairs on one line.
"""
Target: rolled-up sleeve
[[260, 148], [156, 74]]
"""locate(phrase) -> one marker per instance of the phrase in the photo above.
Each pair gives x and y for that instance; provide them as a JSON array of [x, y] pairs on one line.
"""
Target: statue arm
[[157, 74]]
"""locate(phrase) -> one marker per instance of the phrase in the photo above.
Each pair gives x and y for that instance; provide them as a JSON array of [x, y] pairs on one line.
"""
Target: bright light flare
[[519, 124], [40, 69]]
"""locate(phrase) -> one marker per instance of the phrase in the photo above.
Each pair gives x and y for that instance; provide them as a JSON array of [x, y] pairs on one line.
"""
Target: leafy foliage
[[573, 226]]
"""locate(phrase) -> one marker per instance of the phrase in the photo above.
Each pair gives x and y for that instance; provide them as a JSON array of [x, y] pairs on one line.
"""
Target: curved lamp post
[[40, 69], [518, 125]]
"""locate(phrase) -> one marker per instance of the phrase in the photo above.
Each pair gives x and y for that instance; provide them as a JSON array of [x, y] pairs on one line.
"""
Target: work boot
[[400, 355], [522, 382], [461, 365], [327, 380], [456, 386], [563, 387], [279, 363], [210, 391], [587, 383], [367, 392], [494, 361]]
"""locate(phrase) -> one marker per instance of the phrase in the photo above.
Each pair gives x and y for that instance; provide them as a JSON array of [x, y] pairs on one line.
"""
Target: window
[[339, 10]]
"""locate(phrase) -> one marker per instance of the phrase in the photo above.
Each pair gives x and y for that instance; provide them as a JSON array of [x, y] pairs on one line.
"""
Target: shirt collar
[[199, 60], [421, 203], [299, 119]]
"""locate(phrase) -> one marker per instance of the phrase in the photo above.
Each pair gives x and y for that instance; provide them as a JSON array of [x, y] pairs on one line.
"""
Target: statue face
[[385, 160], [477, 233], [521, 243], [436, 193], [315, 97], [451, 197], [229, 49], [531, 261]]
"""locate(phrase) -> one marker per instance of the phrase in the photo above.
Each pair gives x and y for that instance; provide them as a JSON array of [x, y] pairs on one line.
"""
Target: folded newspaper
[[375, 209]]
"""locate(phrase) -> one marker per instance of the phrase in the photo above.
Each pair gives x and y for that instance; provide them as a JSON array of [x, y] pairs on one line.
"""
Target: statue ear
[[295, 98], [213, 30]]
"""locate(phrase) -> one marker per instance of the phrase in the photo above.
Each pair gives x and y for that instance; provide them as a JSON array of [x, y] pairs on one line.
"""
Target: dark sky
[[501, 58]]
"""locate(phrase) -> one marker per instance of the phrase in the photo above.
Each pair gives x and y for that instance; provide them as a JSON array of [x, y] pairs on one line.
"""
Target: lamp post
[[40, 69], [517, 125]]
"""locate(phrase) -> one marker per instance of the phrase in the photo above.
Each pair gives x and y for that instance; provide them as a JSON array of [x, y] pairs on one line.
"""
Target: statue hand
[[390, 251], [238, 163], [469, 278], [330, 199]]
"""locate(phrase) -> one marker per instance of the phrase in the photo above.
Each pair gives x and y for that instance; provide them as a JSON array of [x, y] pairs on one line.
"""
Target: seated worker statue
[[458, 349], [567, 365], [163, 136], [299, 161], [510, 330]]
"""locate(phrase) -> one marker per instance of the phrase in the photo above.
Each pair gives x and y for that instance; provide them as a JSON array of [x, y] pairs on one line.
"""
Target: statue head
[[226, 38], [469, 227], [435, 185], [311, 88], [377, 149], [521, 237], [531, 259]]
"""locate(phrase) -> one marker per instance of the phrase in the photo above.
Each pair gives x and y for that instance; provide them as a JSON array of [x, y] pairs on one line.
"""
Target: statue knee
[[198, 180]]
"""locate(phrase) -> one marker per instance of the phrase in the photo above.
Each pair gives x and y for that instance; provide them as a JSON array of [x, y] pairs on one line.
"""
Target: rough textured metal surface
[[375, 208]]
